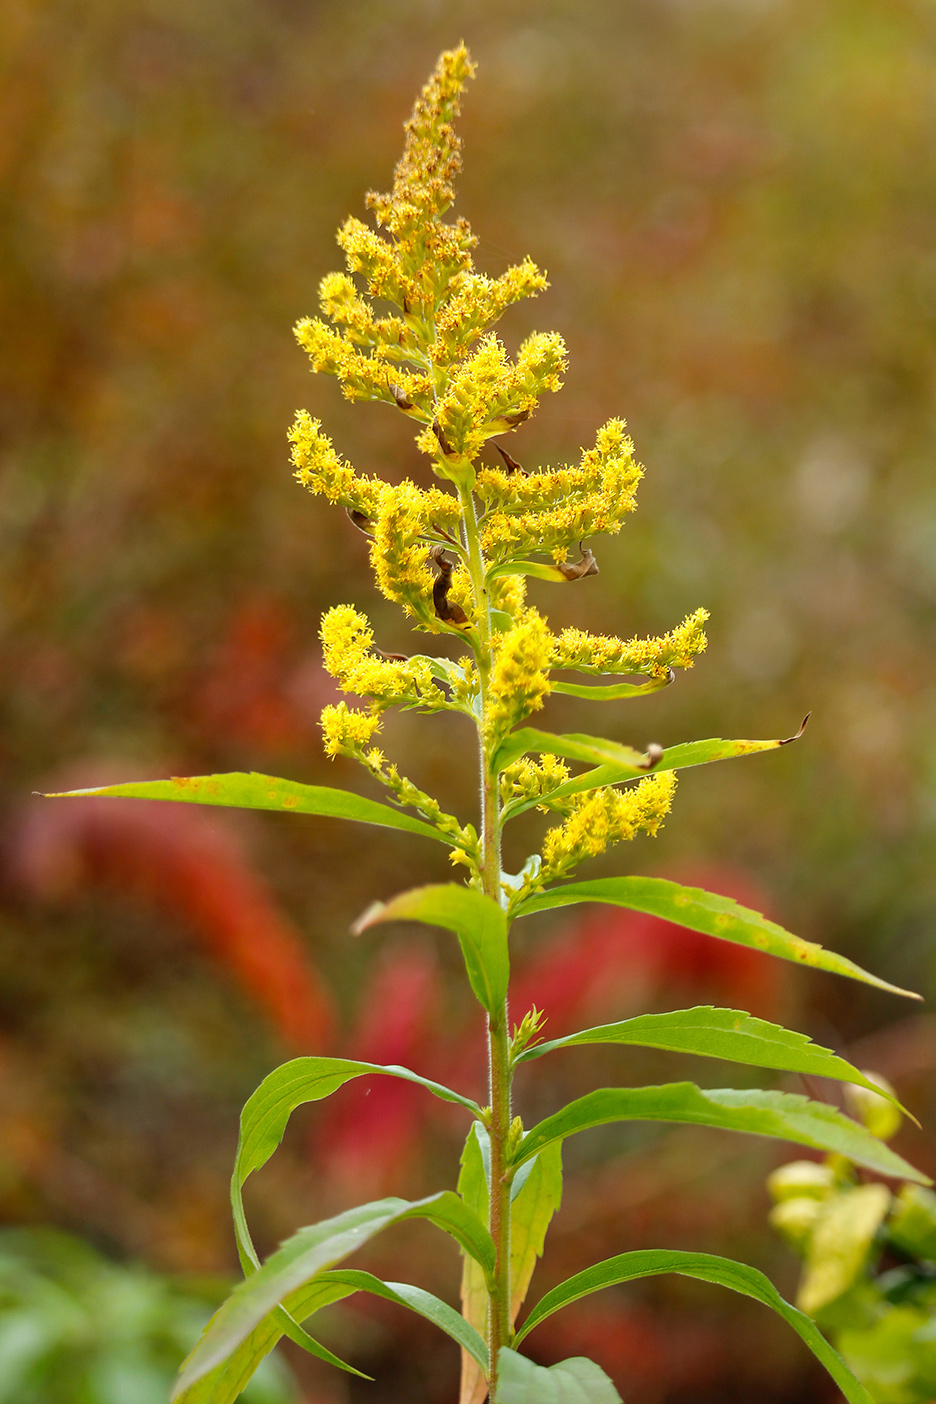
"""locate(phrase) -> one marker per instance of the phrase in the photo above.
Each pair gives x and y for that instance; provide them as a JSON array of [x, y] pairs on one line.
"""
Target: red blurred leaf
[[192, 867], [369, 1136]]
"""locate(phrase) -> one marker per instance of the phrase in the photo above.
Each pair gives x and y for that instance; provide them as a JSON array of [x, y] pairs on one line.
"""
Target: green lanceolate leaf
[[530, 1215], [708, 1268], [539, 569], [423, 1303], [315, 1250], [473, 1187], [266, 1114], [575, 1381], [719, 1033], [594, 750], [612, 770], [262, 1124], [708, 912], [224, 1383], [613, 692], [242, 791], [478, 922], [782, 1114]]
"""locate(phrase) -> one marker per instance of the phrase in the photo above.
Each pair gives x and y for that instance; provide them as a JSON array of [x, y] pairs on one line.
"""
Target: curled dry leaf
[[447, 610]]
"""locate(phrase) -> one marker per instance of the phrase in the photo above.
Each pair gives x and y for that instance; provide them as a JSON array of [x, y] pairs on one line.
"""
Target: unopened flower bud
[[794, 1220], [801, 1178]]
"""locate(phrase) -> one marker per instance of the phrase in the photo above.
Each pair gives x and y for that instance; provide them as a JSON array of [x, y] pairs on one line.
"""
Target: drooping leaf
[[240, 790], [266, 1114], [719, 1033], [612, 767], [474, 1190], [262, 1125], [224, 1383], [423, 1303], [478, 922], [707, 912], [708, 1268], [785, 1115], [312, 1251], [613, 692], [575, 1381], [530, 1215]]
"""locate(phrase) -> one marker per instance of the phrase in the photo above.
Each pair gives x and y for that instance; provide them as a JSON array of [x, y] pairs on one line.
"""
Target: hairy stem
[[500, 1072]]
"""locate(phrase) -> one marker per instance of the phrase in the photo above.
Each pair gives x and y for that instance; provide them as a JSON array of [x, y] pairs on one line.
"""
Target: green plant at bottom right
[[869, 1261]]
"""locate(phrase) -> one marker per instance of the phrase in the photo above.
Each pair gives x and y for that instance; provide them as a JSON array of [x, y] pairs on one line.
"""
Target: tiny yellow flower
[[347, 731]]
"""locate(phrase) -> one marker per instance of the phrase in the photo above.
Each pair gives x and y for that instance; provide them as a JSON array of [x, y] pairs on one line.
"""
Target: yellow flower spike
[[605, 817], [600, 653], [488, 393], [532, 777], [551, 510], [363, 376], [347, 639], [322, 470], [519, 681], [422, 181], [341, 302], [376, 260], [476, 302], [346, 730], [508, 594], [406, 517]]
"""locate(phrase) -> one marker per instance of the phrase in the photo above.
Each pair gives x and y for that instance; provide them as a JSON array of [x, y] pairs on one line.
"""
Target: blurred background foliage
[[735, 201]]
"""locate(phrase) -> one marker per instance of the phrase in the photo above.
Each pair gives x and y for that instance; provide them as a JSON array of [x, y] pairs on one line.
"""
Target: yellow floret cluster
[[321, 469], [347, 643], [406, 519], [550, 510], [605, 817], [603, 653], [487, 394], [418, 358], [532, 777], [519, 680], [477, 302], [346, 730]]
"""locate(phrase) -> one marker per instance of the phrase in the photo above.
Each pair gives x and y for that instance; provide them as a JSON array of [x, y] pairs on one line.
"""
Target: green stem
[[499, 1221], [500, 1070]]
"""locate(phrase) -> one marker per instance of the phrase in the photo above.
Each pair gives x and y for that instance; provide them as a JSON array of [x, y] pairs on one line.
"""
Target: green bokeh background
[[736, 205]]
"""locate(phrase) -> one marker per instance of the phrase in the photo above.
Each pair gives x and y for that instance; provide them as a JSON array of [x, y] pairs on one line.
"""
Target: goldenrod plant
[[410, 326]]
